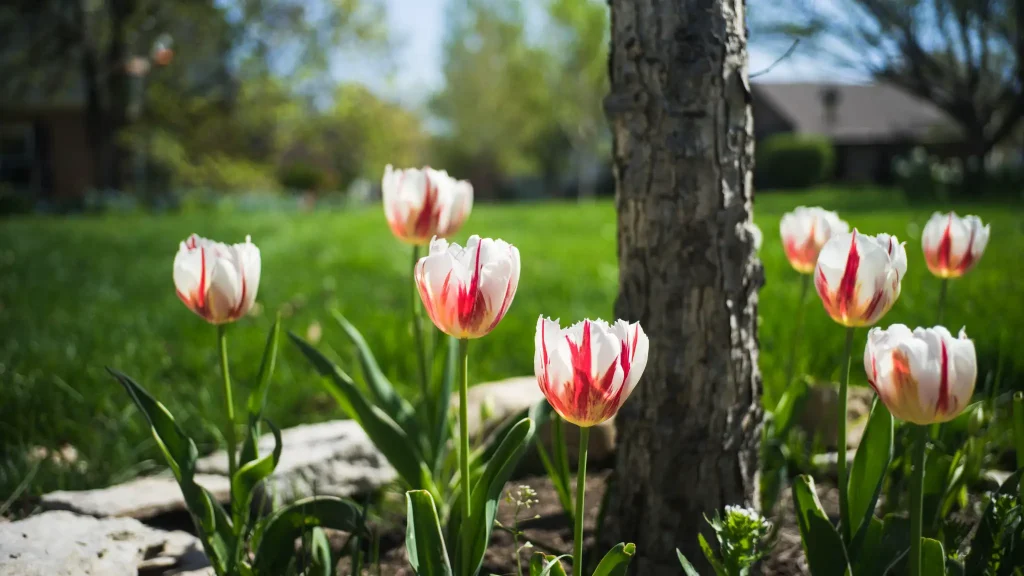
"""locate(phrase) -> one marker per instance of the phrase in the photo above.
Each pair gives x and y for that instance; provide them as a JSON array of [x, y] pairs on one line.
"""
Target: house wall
[[61, 169]]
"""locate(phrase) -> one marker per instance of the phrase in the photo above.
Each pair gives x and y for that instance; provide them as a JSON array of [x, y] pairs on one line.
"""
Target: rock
[[818, 417], [993, 479], [334, 458], [61, 543], [505, 398], [141, 498]]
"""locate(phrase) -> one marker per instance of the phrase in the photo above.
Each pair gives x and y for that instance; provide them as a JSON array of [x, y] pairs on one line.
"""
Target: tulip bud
[[925, 376], [421, 204], [588, 370], [467, 291], [858, 277], [952, 245], [216, 281], [805, 231]]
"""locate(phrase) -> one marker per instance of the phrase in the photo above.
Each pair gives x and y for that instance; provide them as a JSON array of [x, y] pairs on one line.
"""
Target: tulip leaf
[[933, 558], [386, 435], [212, 523], [440, 432], [380, 387], [789, 406], [252, 473], [616, 561], [258, 397], [274, 541], [822, 545], [870, 561], [320, 554], [547, 565], [868, 472], [476, 533], [427, 553], [688, 568]]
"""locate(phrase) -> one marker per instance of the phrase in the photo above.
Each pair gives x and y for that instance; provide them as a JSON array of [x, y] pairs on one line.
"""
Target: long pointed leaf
[[258, 397], [547, 565], [248, 476], [427, 553], [868, 473], [275, 542], [933, 558], [320, 554], [386, 435], [822, 544], [688, 568], [616, 561]]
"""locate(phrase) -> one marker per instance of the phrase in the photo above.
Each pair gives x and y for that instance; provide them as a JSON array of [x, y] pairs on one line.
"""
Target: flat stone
[[334, 458], [141, 498], [818, 418], [61, 543]]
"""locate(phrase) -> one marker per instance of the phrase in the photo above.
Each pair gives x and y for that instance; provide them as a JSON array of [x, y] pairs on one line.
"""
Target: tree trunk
[[683, 152]]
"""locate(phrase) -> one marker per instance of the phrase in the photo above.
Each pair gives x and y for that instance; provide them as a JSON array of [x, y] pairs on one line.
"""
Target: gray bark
[[683, 154]]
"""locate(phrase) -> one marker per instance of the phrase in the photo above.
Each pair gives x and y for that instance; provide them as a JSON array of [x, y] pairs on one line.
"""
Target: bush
[[13, 202], [927, 178], [791, 161], [303, 177]]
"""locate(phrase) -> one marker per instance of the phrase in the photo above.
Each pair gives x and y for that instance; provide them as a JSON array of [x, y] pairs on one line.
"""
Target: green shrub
[[791, 161], [303, 177]]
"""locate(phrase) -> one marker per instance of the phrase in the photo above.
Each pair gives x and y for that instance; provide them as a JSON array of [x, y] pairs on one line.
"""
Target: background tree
[[683, 153], [965, 56]]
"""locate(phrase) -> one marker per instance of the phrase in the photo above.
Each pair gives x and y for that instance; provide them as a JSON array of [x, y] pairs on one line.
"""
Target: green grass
[[79, 294]]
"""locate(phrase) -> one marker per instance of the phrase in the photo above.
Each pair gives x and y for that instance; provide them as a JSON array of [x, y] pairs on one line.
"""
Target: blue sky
[[418, 28]]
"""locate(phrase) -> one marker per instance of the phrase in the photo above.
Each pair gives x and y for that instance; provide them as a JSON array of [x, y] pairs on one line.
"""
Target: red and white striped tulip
[[216, 281], [858, 277], [925, 376], [467, 291], [805, 231], [421, 204], [588, 370], [953, 245]]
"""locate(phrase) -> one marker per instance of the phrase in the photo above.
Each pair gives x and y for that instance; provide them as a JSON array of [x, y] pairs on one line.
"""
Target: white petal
[[638, 347], [832, 259], [188, 269], [933, 231], [225, 289], [250, 265], [605, 348], [873, 272]]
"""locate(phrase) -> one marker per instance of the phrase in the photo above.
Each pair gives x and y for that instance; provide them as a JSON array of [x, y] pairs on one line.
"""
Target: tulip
[[926, 376], [589, 369], [216, 281], [858, 277], [467, 291], [421, 204], [953, 245], [805, 231]]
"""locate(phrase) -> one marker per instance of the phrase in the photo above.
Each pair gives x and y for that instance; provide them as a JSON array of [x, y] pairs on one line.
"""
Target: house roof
[[859, 112]]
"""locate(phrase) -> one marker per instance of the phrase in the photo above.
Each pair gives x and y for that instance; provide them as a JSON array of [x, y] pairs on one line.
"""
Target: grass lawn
[[78, 294]]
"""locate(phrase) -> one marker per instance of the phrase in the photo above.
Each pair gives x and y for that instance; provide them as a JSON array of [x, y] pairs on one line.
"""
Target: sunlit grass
[[80, 294]]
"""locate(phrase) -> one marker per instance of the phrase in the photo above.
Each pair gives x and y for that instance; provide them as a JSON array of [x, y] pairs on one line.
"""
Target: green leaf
[[440, 433], [868, 472], [933, 558], [937, 470], [380, 387], [870, 562], [274, 540], [476, 534], [258, 397], [789, 406], [386, 435], [547, 565], [823, 546], [984, 543], [1018, 427], [212, 523], [688, 568], [895, 545], [427, 553], [320, 554], [248, 476], [711, 557], [616, 561]]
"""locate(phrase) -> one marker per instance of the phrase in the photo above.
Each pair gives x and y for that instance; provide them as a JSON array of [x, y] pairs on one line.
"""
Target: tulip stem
[[464, 429], [229, 436], [417, 329], [844, 503], [944, 286], [805, 282], [581, 488], [917, 498]]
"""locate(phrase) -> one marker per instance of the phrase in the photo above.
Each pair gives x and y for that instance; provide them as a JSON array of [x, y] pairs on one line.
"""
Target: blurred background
[[126, 125]]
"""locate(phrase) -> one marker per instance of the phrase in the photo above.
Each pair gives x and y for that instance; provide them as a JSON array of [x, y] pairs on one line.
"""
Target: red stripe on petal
[[968, 259], [942, 405], [821, 285], [581, 364], [471, 304], [846, 294], [428, 215], [945, 245], [872, 307]]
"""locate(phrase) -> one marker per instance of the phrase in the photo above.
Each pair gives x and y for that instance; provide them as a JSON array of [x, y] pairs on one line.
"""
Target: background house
[[868, 124]]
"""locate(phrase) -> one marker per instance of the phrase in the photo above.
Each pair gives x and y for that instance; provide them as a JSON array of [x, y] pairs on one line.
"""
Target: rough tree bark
[[683, 153]]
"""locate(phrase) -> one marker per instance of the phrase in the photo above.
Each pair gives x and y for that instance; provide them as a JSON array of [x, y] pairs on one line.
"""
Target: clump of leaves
[[744, 538]]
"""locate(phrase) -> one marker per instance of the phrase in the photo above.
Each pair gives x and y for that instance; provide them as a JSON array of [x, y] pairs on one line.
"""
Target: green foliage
[[870, 464], [557, 464], [427, 553], [792, 161], [744, 538], [303, 177], [826, 555], [775, 453]]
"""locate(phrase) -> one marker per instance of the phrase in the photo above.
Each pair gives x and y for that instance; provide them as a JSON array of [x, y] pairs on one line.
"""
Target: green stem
[[464, 429], [942, 298], [805, 282], [917, 499], [581, 488], [417, 328], [844, 502], [229, 402]]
